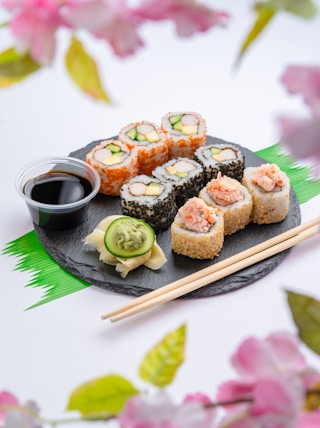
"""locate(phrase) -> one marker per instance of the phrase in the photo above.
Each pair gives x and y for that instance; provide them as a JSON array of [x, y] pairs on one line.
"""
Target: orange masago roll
[[149, 141], [115, 163]]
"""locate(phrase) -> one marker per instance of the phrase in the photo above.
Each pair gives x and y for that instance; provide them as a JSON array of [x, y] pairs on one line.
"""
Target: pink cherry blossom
[[110, 20], [189, 16], [34, 25], [301, 136], [6, 399], [159, 411]]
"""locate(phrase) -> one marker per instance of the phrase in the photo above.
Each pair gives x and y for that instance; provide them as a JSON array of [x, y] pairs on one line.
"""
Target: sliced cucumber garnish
[[132, 133], [128, 237]]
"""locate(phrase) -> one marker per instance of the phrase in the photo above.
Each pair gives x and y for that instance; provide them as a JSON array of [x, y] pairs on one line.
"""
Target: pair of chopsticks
[[219, 270]]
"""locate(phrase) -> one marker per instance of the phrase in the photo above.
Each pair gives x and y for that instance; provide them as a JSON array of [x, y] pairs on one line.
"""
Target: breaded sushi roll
[[225, 158], [149, 141], [115, 163], [270, 190], [185, 132], [185, 175], [148, 199], [198, 230], [232, 198]]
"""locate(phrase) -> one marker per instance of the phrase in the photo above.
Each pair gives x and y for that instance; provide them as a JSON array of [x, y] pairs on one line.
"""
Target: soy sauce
[[58, 188]]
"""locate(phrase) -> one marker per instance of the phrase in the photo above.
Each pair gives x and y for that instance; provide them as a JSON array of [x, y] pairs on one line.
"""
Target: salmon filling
[[269, 177], [197, 216], [225, 190]]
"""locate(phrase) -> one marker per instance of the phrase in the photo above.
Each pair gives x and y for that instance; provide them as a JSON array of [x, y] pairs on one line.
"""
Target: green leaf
[[160, 364], [303, 8], [102, 396], [306, 315], [263, 18], [83, 70], [15, 66]]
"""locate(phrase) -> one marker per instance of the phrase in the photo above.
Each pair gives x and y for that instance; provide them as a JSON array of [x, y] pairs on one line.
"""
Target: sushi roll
[[232, 198], [115, 163], [225, 158], [150, 143], [270, 190], [185, 132], [148, 199], [198, 230], [185, 175]]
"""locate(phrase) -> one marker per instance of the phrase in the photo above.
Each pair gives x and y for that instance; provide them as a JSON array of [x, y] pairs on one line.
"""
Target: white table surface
[[48, 351]]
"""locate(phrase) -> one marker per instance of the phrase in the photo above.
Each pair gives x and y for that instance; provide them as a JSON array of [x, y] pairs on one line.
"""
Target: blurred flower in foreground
[[271, 389], [302, 136], [15, 415], [34, 25]]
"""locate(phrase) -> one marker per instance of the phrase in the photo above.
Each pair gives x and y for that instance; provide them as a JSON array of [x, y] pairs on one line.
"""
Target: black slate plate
[[66, 247]]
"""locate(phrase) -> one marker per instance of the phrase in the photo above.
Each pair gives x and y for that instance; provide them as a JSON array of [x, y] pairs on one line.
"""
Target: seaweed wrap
[[149, 141], [185, 132], [232, 198], [226, 158], [270, 190], [185, 175], [148, 199], [198, 230], [115, 163]]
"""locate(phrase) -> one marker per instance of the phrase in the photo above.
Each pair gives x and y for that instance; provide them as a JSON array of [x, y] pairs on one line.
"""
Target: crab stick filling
[[181, 168], [197, 216], [111, 154], [187, 124], [269, 177], [225, 190]]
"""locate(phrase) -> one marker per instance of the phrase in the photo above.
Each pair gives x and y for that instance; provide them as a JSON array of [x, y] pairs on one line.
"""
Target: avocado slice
[[177, 126], [113, 148]]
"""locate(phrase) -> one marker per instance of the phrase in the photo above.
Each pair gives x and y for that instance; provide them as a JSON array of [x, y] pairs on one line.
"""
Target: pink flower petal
[[7, 399]]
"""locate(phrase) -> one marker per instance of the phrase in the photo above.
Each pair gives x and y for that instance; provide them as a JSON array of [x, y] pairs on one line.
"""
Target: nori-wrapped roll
[[148, 199], [185, 175]]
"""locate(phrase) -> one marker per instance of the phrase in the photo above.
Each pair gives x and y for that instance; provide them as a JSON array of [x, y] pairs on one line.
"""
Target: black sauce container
[[57, 191]]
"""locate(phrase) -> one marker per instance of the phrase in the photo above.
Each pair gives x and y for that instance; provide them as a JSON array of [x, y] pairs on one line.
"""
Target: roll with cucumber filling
[[225, 158], [185, 175], [270, 191], [232, 198], [185, 132], [115, 163], [149, 199], [150, 143], [198, 230]]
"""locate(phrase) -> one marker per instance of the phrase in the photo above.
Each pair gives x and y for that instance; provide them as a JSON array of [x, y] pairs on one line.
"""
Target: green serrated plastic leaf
[[160, 364], [306, 315], [15, 66], [102, 396], [303, 8], [263, 18], [83, 70]]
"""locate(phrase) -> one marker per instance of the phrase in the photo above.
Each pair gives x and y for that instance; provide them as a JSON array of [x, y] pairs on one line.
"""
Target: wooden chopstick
[[216, 271]]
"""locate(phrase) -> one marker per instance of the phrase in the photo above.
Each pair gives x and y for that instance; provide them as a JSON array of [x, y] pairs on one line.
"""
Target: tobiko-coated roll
[[149, 141], [185, 132], [270, 190], [225, 158], [185, 175], [148, 199], [198, 230], [232, 198], [115, 163]]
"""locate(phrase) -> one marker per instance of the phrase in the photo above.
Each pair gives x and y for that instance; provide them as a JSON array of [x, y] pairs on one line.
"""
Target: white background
[[48, 351]]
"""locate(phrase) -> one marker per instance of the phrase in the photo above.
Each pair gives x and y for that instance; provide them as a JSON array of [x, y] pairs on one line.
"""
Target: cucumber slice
[[174, 119], [128, 237], [113, 148], [132, 133], [178, 126]]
